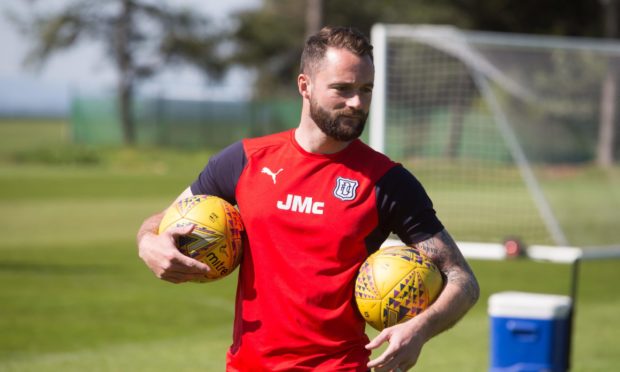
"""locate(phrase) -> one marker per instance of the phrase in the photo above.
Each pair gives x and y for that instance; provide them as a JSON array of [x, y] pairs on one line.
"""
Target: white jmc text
[[296, 203]]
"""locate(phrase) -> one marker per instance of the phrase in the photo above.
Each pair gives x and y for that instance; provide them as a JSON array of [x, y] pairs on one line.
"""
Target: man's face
[[341, 94]]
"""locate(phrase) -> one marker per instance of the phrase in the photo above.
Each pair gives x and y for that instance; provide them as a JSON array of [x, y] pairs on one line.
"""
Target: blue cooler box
[[530, 332]]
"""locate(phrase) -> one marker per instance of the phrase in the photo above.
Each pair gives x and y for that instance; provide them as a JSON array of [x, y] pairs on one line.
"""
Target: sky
[[85, 70]]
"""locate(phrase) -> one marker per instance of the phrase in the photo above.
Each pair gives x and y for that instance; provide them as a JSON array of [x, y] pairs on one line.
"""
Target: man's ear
[[304, 84]]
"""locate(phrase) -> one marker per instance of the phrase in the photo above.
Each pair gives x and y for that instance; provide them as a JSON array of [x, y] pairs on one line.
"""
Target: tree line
[[142, 37]]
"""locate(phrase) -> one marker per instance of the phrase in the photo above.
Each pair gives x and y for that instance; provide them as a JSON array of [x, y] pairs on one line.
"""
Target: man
[[316, 202]]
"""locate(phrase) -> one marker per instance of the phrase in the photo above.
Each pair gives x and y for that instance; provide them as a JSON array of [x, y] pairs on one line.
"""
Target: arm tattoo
[[443, 251], [438, 248]]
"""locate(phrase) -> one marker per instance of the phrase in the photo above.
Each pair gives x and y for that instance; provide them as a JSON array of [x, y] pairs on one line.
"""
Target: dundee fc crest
[[345, 188]]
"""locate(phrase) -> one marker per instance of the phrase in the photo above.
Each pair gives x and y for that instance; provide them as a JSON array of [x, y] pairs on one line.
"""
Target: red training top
[[311, 221]]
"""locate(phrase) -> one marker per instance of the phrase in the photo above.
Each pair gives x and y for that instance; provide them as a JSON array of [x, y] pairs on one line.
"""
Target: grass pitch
[[74, 296]]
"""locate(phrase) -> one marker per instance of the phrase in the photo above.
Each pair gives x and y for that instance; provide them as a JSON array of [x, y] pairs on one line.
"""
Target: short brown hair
[[347, 38]]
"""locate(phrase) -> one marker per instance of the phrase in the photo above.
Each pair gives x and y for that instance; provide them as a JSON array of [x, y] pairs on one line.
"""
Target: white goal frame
[[454, 42]]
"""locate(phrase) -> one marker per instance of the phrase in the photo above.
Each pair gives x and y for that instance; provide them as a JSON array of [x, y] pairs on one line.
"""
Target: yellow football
[[395, 284], [217, 238]]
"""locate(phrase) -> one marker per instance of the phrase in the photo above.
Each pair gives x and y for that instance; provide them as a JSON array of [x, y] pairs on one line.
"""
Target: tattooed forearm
[[428, 247], [443, 251], [464, 279], [438, 248]]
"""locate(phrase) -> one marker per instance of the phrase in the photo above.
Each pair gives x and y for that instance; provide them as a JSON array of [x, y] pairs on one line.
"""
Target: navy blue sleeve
[[220, 175], [404, 208]]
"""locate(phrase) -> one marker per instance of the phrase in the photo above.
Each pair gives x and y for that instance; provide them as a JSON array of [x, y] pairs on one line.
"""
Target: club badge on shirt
[[345, 189]]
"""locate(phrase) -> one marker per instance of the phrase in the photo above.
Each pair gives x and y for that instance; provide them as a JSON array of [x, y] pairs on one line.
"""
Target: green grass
[[23, 135], [74, 296], [485, 201], [587, 202]]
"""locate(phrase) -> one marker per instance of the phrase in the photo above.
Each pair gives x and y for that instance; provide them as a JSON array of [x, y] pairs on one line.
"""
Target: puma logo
[[268, 172]]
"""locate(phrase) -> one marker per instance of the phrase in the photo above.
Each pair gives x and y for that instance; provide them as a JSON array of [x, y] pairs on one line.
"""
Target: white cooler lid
[[529, 305]]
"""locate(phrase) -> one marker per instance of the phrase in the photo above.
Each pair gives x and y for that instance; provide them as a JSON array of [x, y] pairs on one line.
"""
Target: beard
[[342, 125]]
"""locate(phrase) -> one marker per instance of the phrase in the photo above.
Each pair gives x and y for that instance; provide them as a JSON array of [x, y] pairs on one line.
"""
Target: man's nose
[[355, 102]]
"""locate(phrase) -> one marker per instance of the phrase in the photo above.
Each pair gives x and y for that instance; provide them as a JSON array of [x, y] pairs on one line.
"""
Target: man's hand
[[161, 255], [459, 294], [405, 345]]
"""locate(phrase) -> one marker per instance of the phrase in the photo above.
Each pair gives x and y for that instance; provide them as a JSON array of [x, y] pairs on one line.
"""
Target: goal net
[[504, 131]]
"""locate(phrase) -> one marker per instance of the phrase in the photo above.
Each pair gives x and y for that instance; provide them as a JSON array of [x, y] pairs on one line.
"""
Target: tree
[[314, 16], [140, 37], [270, 39], [609, 91]]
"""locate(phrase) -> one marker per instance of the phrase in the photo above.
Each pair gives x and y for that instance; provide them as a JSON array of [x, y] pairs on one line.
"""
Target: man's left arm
[[459, 294]]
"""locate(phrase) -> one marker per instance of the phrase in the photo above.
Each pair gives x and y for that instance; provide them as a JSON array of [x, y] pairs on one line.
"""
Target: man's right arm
[[159, 251]]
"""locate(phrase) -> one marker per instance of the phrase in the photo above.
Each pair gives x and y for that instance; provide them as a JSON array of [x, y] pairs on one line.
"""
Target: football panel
[[205, 245], [234, 231], [171, 216], [210, 247], [388, 271], [184, 206], [371, 312], [209, 212], [419, 299], [402, 301], [410, 254], [429, 273], [411, 296], [365, 287], [201, 240], [219, 260], [433, 282], [389, 314]]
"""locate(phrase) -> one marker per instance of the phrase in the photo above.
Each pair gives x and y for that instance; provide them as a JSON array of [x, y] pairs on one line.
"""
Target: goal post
[[508, 135], [377, 112], [478, 117]]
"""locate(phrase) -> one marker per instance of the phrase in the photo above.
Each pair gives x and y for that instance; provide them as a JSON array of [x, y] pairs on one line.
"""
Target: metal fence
[[180, 123]]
